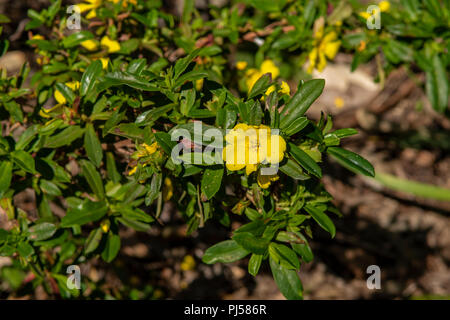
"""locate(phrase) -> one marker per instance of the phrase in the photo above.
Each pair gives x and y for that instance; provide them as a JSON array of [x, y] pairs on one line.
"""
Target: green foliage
[[171, 73]]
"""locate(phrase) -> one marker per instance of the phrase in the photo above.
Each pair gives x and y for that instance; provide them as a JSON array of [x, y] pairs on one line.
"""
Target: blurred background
[[408, 237]]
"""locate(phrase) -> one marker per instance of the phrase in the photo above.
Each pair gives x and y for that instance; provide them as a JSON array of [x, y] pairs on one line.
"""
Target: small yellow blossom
[[37, 37], [339, 102], [248, 146], [91, 6], [241, 65], [199, 84], [104, 225], [132, 171], [285, 89], [167, 189], [74, 85], [111, 45], [90, 45], [364, 15], [188, 263], [264, 181], [268, 66], [252, 75], [384, 6], [362, 45], [104, 62], [324, 47]]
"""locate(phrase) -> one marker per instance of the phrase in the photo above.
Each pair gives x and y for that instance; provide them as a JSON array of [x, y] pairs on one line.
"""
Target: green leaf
[[182, 64], [211, 181], [67, 93], [93, 240], [5, 176], [24, 160], [64, 138], [254, 264], [260, 86], [165, 142], [287, 281], [284, 255], [93, 178], [190, 76], [292, 169], [437, 85], [76, 38], [86, 212], [301, 101], [25, 249], [112, 247], [118, 78], [251, 243], [322, 219], [305, 160], [92, 145], [150, 116], [111, 168], [296, 126], [42, 231], [224, 252], [352, 161], [89, 77]]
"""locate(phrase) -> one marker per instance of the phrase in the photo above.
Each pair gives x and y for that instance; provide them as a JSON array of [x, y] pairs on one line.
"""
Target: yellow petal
[[384, 6], [331, 49], [85, 7], [111, 45], [265, 180], [268, 66], [167, 189], [364, 15], [59, 97], [322, 62], [270, 90], [250, 168], [241, 65], [92, 14], [132, 171], [285, 89], [90, 45], [331, 36], [104, 62], [313, 58]]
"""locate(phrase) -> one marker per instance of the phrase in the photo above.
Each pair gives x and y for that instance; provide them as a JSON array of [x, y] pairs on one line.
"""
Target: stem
[[413, 187]]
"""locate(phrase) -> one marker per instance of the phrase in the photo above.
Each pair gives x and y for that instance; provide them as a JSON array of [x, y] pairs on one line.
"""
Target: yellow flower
[[91, 6], [362, 45], [132, 171], [264, 181], [188, 263], [167, 189], [339, 102], [104, 225], [90, 45], [384, 6], [241, 65], [248, 146], [145, 150], [104, 62], [252, 75], [324, 47], [37, 37], [269, 67], [111, 45], [364, 15], [199, 84], [285, 89], [74, 85]]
